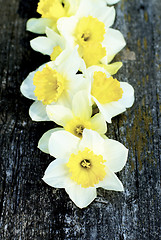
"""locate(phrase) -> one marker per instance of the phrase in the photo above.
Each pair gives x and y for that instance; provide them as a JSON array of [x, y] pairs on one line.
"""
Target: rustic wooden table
[[30, 209]]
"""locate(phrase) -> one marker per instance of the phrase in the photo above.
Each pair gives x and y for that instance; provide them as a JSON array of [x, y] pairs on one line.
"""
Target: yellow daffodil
[[53, 83], [74, 119], [90, 29], [82, 165], [111, 96]]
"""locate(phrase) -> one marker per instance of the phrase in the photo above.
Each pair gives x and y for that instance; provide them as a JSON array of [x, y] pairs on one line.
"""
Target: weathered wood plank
[[29, 209]]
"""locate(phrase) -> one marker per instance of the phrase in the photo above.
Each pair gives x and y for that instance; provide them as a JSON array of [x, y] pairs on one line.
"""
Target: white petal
[[110, 110], [111, 2], [127, 99], [38, 25], [59, 114], [43, 45], [98, 123], [55, 37], [111, 182], [37, 112], [66, 26], [114, 42], [80, 105], [115, 155], [89, 8], [57, 174], [82, 197], [77, 83], [62, 144], [44, 140], [93, 141], [27, 87], [70, 63], [106, 15]]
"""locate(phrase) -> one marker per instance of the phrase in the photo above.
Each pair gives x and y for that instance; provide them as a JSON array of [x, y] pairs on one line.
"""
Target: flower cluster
[[76, 89]]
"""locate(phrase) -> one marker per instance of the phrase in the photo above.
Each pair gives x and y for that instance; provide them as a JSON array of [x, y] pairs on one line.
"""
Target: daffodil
[[90, 29], [111, 96], [82, 165], [74, 119], [51, 11], [53, 83]]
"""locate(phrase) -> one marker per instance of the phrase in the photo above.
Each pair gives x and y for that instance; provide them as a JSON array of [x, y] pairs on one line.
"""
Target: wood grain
[[29, 209]]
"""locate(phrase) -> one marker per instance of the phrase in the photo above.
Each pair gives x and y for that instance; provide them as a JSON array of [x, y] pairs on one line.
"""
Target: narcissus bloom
[[82, 165], [53, 83], [74, 119], [90, 29], [111, 96]]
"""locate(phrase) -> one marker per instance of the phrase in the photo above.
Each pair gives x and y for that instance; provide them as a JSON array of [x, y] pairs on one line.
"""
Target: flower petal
[[127, 99], [111, 2], [44, 140], [110, 110], [62, 144], [70, 62], [59, 114], [106, 15], [93, 141], [114, 42], [115, 155], [38, 25], [66, 26], [82, 197], [80, 105], [27, 87], [43, 45], [98, 123], [111, 182], [37, 112], [57, 174], [55, 37]]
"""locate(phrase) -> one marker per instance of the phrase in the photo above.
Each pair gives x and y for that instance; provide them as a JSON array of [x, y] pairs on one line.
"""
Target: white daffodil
[[53, 83], [90, 29], [111, 96], [74, 119], [82, 165], [51, 11]]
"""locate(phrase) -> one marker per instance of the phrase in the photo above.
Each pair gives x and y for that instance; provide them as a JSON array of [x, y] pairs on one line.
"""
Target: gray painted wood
[[29, 209]]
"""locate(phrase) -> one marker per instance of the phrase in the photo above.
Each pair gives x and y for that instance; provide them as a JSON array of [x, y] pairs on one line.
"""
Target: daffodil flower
[[74, 119], [90, 29], [82, 165], [53, 83], [111, 96], [51, 11]]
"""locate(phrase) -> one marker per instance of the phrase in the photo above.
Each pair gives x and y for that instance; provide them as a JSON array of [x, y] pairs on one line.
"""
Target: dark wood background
[[30, 209]]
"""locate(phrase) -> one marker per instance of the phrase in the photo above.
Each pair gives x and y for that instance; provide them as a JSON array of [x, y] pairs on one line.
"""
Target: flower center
[[89, 34], [49, 85], [76, 126], [54, 9], [85, 163], [86, 168], [104, 89]]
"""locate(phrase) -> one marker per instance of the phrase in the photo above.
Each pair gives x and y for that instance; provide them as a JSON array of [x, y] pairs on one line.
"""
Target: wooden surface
[[30, 209]]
